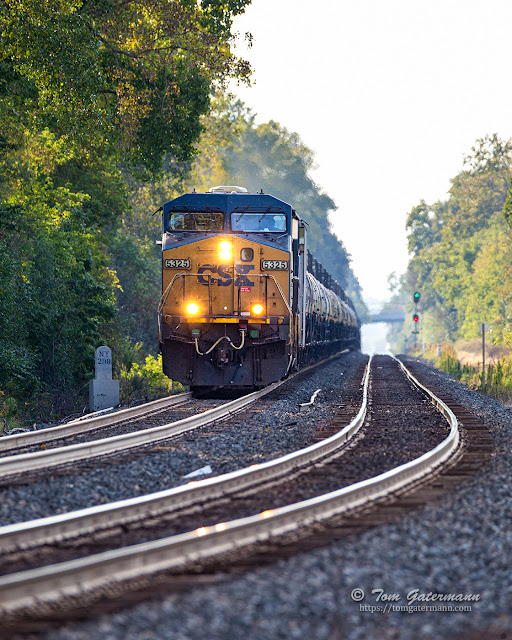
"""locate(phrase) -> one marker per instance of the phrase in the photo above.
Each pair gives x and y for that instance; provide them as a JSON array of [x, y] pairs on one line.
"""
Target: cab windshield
[[274, 222], [195, 221]]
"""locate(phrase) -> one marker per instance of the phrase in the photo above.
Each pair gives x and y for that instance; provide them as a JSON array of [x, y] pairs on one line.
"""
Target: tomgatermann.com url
[[390, 607]]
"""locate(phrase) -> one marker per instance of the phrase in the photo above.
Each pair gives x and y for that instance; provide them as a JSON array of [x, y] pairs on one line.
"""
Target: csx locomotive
[[243, 301]]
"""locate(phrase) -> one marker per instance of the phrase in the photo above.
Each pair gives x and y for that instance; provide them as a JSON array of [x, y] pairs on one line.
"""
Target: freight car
[[243, 302]]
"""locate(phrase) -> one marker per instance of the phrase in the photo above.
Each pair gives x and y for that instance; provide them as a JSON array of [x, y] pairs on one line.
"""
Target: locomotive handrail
[[281, 292], [165, 294], [167, 291], [162, 302]]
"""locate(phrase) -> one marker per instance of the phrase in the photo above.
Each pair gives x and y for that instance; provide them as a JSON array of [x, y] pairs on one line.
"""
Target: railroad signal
[[416, 297], [416, 317]]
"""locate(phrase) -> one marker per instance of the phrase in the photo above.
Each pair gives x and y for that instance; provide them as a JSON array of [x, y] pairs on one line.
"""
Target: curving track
[[393, 446], [133, 438]]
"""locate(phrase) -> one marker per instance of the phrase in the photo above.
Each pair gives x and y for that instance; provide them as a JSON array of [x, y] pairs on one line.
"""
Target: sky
[[390, 95]]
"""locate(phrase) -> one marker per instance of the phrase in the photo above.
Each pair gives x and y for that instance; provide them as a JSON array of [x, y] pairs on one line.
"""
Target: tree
[[95, 96], [56, 284], [134, 75], [424, 226], [460, 250], [507, 207], [490, 154]]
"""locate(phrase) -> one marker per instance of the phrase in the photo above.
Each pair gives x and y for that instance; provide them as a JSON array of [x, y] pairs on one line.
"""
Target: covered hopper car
[[243, 302]]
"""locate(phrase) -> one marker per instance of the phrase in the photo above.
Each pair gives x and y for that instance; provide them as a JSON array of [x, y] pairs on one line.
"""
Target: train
[[244, 303]]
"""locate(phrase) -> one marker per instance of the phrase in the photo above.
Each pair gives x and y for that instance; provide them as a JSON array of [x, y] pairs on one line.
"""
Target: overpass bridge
[[393, 315]]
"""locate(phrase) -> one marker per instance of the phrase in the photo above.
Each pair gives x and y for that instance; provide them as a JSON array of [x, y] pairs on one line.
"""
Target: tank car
[[243, 302]]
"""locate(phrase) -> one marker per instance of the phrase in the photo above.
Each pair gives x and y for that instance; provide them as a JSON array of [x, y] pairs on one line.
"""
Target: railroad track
[[83, 425], [215, 537], [18, 466], [66, 526]]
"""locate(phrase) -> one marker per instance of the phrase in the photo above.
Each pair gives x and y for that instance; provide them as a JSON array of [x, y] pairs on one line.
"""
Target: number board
[[274, 264], [177, 263]]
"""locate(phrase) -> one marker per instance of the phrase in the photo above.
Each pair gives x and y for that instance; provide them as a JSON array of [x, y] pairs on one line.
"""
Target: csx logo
[[225, 278]]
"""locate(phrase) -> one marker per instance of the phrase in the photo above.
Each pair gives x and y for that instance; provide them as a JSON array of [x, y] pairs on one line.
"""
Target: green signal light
[[416, 296]]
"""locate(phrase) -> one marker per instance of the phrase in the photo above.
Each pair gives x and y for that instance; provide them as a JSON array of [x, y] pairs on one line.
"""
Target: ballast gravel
[[459, 544], [273, 427]]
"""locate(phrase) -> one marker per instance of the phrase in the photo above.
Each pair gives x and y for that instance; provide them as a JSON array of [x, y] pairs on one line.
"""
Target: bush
[[8, 408], [145, 381], [450, 365]]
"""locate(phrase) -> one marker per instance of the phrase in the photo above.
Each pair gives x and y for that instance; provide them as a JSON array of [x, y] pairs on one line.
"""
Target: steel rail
[[70, 525], [48, 584], [82, 425], [61, 455]]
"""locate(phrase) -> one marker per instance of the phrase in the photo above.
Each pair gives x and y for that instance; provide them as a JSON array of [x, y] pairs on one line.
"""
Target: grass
[[498, 375]]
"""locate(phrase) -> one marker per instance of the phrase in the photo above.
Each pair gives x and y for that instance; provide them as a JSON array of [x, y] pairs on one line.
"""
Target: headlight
[[192, 309], [257, 309], [225, 250]]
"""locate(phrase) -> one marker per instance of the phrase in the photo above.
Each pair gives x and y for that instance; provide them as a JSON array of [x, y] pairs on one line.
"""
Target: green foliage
[[8, 412], [94, 173], [145, 381], [448, 360], [93, 97], [137, 264], [56, 288], [134, 76], [507, 207], [490, 154], [449, 363], [498, 379], [424, 225], [498, 375]]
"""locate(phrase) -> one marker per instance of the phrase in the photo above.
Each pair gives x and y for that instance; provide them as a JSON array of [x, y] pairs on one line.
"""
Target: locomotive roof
[[228, 203]]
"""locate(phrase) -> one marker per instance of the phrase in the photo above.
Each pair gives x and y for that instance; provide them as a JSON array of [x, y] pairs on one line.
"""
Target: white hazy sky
[[390, 95]]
